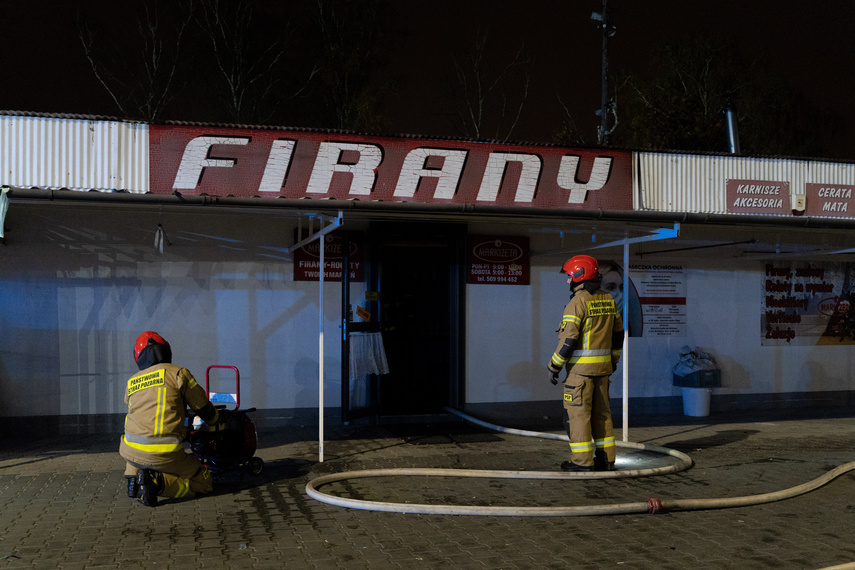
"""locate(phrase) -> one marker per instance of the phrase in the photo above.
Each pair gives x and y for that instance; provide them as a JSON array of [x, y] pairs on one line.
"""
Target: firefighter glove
[[224, 417], [553, 377]]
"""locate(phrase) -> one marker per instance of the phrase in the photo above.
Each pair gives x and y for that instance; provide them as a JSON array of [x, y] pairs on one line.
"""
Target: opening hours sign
[[499, 260]]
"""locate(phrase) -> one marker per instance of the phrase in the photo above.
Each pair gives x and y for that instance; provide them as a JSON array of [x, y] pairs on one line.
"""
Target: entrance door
[[358, 388], [420, 286]]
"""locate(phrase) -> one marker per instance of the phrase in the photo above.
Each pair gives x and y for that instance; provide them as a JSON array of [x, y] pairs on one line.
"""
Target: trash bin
[[696, 374], [696, 401]]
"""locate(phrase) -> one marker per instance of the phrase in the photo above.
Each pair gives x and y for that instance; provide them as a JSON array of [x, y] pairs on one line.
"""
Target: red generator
[[229, 445]]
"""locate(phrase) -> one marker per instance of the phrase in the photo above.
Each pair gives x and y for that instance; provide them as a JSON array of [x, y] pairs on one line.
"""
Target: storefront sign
[[758, 197], [499, 260], [307, 260], [833, 200], [296, 164]]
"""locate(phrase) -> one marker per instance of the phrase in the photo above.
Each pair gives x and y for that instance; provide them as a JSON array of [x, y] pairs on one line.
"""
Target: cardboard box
[[699, 379]]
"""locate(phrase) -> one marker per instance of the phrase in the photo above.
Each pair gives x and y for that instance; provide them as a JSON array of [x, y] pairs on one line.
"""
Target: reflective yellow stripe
[[590, 359], [605, 442], [594, 352], [581, 447], [586, 335], [192, 382], [154, 447], [160, 411], [558, 361], [571, 319], [183, 488], [150, 440]]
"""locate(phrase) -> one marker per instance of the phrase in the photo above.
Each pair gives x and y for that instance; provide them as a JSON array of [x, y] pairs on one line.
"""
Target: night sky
[[809, 43]]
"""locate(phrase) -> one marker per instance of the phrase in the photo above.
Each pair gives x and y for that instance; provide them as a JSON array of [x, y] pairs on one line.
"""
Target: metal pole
[[321, 355], [320, 236], [625, 342], [604, 101]]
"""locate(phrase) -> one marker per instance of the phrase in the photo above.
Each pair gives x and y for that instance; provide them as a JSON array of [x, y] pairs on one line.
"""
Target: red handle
[[237, 382]]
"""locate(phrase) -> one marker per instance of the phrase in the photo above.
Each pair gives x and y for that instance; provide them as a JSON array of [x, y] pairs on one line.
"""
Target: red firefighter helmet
[[581, 268], [146, 338]]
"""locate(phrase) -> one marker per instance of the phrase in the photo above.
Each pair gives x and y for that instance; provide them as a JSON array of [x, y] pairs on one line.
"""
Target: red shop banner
[[271, 163], [499, 260]]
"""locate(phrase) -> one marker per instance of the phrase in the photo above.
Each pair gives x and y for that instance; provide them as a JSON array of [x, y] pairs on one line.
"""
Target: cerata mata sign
[[295, 164]]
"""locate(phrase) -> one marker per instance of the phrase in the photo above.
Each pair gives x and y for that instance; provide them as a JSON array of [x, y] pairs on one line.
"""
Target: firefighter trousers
[[183, 474], [588, 418]]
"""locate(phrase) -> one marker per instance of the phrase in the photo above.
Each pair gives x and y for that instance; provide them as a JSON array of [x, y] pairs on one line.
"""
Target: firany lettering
[[361, 161]]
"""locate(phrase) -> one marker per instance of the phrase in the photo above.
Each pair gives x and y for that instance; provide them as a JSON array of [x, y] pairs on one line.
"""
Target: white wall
[[511, 333], [78, 285], [249, 315]]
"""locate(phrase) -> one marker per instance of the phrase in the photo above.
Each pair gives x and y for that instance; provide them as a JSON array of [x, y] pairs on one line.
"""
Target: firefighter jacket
[[590, 337], [157, 399]]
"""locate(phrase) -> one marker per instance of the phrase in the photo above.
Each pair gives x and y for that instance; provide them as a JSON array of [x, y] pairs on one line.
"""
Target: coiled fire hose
[[652, 505]]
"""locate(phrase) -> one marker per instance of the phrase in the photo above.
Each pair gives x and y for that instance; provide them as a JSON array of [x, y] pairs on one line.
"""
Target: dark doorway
[[420, 313]]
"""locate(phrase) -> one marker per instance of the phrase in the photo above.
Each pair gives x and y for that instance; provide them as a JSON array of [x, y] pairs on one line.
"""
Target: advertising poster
[[807, 304], [612, 283], [662, 296]]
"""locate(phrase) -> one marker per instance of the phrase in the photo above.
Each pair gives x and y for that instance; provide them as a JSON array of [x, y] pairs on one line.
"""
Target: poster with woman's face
[[612, 283]]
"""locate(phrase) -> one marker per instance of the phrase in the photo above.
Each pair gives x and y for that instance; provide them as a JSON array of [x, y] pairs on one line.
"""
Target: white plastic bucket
[[696, 401]]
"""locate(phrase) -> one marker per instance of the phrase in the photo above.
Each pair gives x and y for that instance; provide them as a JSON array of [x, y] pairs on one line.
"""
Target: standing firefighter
[[590, 339], [157, 401]]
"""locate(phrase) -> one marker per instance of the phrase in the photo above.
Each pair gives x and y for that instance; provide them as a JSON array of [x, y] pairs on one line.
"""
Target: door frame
[[454, 235]]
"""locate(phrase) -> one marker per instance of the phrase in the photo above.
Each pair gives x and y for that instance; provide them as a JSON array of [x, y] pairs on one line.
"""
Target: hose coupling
[[654, 506]]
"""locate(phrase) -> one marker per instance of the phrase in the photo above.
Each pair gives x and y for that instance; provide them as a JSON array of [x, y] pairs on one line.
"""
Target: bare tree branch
[[145, 91], [487, 98], [350, 36], [251, 66]]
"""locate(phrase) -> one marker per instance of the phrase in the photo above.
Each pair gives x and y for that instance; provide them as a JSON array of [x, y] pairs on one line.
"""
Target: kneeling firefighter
[[590, 339], [157, 400]]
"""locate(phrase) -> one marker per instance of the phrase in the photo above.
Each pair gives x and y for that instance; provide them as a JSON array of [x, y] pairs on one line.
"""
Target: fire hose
[[651, 506]]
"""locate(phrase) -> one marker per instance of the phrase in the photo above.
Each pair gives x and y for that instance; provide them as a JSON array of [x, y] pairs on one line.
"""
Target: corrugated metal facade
[[691, 183], [83, 153], [77, 154]]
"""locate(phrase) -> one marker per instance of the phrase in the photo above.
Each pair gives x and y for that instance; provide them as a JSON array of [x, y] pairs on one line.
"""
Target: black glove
[[553, 377], [225, 416]]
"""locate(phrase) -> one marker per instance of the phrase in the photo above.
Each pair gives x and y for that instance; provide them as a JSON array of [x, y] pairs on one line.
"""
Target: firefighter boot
[[569, 466], [150, 484], [133, 486], [601, 461]]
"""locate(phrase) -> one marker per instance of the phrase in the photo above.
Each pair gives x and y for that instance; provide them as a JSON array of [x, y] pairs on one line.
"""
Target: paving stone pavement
[[63, 503]]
